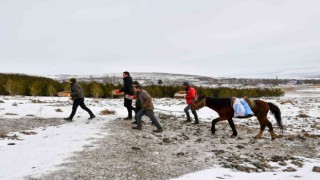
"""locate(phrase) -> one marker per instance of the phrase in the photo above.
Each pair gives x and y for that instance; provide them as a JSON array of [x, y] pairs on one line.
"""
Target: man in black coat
[[77, 96], [128, 92]]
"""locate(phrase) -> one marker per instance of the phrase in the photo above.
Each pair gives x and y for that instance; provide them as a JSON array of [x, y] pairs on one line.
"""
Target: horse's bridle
[[203, 102]]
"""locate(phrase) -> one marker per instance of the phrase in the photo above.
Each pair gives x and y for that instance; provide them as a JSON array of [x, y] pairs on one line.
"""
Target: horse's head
[[199, 103]]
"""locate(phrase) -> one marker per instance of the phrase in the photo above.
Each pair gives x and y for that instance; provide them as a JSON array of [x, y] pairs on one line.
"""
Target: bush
[[107, 112], [14, 84]]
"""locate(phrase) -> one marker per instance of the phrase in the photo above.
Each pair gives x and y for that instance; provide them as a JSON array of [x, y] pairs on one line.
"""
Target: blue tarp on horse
[[241, 108]]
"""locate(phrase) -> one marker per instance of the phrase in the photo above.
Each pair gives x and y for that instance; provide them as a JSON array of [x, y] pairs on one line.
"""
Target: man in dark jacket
[[128, 92], [77, 96], [147, 109], [191, 96]]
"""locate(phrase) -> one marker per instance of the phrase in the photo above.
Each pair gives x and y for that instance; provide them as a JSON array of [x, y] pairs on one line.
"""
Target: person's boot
[[196, 121], [188, 120], [127, 118], [158, 130], [92, 117], [134, 122], [138, 127], [67, 119]]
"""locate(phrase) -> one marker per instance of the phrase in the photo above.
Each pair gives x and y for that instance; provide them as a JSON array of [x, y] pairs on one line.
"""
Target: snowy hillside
[[145, 78], [297, 73], [177, 79]]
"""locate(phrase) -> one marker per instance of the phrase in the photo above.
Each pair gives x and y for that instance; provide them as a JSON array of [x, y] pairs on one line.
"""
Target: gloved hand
[[118, 91]]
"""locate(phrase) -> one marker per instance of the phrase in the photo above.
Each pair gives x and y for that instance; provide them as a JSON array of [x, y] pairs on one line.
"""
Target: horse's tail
[[277, 114]]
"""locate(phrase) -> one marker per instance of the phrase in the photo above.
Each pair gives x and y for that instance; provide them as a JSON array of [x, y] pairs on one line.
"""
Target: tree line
[[17, 84]]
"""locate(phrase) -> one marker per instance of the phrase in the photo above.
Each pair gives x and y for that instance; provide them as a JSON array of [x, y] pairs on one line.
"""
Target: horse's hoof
[[233, 136], [258, 136], [273, 135]]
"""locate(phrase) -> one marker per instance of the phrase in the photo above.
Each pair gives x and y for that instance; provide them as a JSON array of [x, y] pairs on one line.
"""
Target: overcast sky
[[214, 38]]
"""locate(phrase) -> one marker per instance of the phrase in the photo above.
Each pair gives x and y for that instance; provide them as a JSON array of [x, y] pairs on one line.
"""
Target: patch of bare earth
[[184, 148], [17, 125]]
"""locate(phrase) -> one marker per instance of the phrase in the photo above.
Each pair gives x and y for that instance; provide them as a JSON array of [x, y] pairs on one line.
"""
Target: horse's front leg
[[213, 126]]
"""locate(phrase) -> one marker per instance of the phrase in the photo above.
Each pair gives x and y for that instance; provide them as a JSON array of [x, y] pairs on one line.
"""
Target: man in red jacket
[[191, 96]]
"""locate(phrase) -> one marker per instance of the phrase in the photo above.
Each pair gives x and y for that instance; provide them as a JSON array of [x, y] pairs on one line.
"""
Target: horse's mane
[[218, 102]]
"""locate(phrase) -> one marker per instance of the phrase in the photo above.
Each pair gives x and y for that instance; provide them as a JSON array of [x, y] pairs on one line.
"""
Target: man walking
[[147, 109], [191, 96], [138, 106], [128, 91], [77, 96]]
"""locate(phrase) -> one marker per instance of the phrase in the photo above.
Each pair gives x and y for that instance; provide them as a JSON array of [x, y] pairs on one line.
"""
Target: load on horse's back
[[224, 107]]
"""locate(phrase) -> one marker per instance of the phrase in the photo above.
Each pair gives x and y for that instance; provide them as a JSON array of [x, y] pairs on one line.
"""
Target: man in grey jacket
[[147, 109], [77, 96]]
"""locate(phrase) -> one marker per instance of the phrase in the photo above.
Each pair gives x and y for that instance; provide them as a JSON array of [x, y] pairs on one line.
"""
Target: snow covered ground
[[33, 155], [49, 146], [223, 173], [303, 100]]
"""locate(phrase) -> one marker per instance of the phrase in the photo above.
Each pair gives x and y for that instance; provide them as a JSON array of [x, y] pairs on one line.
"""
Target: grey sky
[[215, 38]]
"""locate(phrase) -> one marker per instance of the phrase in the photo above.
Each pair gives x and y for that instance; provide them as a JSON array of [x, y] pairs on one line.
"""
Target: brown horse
[[223, 106]]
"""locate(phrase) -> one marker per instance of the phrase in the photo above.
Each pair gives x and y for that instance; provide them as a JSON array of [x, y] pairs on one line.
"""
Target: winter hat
[[73, 80], [185, 84]]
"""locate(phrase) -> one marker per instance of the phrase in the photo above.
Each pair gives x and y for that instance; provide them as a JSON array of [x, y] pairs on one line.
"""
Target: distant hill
[[144, 78], [296, 73], [178, 79]]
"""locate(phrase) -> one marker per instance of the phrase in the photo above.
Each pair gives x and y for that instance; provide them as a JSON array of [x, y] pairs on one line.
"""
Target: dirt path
[[181, 149]]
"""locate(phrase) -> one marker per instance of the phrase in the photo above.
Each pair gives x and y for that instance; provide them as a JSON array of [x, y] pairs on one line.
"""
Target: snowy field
[[28, 150]]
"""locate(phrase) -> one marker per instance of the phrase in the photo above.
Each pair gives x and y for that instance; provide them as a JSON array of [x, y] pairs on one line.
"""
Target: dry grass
[[107, 112], [10, 114], [37, 101], [28, 133], [3, 134], [287, 102], [58, 110], [302, 115]]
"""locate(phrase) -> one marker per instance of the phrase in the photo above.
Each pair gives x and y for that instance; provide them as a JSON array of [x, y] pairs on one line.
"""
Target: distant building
[[292, 82]]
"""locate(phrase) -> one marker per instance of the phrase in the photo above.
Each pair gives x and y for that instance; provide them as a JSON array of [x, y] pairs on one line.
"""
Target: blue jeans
[[150, 114], [186, 110]]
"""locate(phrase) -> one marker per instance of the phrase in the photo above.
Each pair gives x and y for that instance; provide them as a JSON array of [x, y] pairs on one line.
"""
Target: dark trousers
[[76, 104], [150, 114], [186, 110], [128, 105], [137, 109]]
